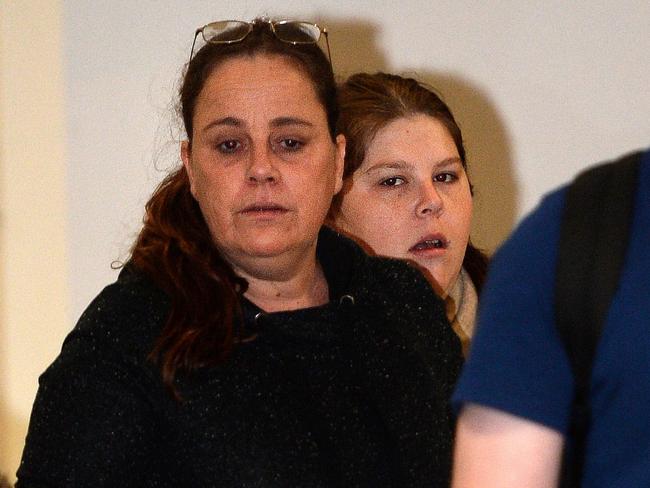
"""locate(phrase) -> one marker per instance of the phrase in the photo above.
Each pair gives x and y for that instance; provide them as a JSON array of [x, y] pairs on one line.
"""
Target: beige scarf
[[461, 304]]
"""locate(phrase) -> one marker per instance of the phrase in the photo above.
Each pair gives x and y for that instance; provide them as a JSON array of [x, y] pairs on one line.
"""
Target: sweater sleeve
[[94, 420], [91, 425]]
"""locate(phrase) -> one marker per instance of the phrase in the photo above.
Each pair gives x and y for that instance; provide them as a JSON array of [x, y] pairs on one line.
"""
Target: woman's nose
[[262, 167], [429, 201]]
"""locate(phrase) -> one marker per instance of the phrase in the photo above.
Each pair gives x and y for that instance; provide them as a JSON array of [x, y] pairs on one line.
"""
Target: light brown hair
[[369, 102]]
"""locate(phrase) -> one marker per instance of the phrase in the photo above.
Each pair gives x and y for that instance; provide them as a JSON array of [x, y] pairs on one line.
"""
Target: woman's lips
[[429, 244], [263, 210]]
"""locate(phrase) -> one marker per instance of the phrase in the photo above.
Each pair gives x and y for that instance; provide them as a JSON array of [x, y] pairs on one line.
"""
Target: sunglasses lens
[[296, 32], [226, 31]]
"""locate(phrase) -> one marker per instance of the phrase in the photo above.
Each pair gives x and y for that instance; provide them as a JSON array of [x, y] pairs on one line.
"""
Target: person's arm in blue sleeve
[[515, 391]]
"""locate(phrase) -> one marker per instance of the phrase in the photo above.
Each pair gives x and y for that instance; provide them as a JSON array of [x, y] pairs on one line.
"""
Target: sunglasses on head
[[289, 31]]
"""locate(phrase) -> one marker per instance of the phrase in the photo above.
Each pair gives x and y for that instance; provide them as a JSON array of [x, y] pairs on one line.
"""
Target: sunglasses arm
[[196, 34]]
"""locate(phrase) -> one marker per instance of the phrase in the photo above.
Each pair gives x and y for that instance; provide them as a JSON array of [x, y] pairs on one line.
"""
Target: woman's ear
[[340, 162], [186, 157]]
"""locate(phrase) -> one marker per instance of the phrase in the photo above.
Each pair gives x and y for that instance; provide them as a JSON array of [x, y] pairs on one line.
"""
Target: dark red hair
[[175, 248]]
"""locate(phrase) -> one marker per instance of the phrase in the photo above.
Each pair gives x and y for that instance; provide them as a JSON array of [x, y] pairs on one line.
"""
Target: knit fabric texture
[[351, 393]]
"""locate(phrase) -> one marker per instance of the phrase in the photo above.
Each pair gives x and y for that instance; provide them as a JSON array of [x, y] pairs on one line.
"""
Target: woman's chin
[[280, 249], [437, 277]]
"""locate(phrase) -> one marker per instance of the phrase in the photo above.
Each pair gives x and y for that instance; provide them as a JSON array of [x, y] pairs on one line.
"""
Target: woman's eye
[[229, 146], [393, 181], [445, 177], [291, 144]]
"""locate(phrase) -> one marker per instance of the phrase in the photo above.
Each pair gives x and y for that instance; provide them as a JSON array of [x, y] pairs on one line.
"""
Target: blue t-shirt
[[518, 364]]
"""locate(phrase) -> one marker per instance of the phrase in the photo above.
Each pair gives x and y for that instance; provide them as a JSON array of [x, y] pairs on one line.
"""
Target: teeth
[[431, 243]]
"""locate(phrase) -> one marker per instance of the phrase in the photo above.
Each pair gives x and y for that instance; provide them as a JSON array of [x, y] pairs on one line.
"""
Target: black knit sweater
[[352, 393]]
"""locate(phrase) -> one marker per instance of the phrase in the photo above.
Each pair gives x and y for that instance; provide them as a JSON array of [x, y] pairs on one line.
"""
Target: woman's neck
[[307, 287]]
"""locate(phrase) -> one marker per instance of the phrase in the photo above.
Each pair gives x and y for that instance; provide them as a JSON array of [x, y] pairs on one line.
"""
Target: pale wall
[[34, 294], [541, 90]]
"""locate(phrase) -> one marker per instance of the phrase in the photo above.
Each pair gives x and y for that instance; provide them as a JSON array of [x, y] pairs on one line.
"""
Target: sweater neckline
[[336, 255]]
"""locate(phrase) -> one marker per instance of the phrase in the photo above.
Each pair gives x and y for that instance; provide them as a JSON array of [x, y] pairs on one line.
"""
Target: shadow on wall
[[4, 417], [12, 428], [354, 48], [13, 432], [4, 423], [6, 427], [4, 482], [489, 157]]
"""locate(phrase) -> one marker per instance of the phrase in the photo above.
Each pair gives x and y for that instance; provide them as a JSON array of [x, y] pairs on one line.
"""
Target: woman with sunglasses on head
[[244, 344], [406, 193]]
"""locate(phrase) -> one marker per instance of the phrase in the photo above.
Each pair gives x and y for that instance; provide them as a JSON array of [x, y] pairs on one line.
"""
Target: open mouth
[[427, 244]]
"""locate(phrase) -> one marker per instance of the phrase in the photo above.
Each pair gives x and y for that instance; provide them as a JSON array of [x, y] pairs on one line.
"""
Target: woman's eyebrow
[[447, 161], [227, 121], [284, 121], [236, 122], [404, 165], [399, 164]]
